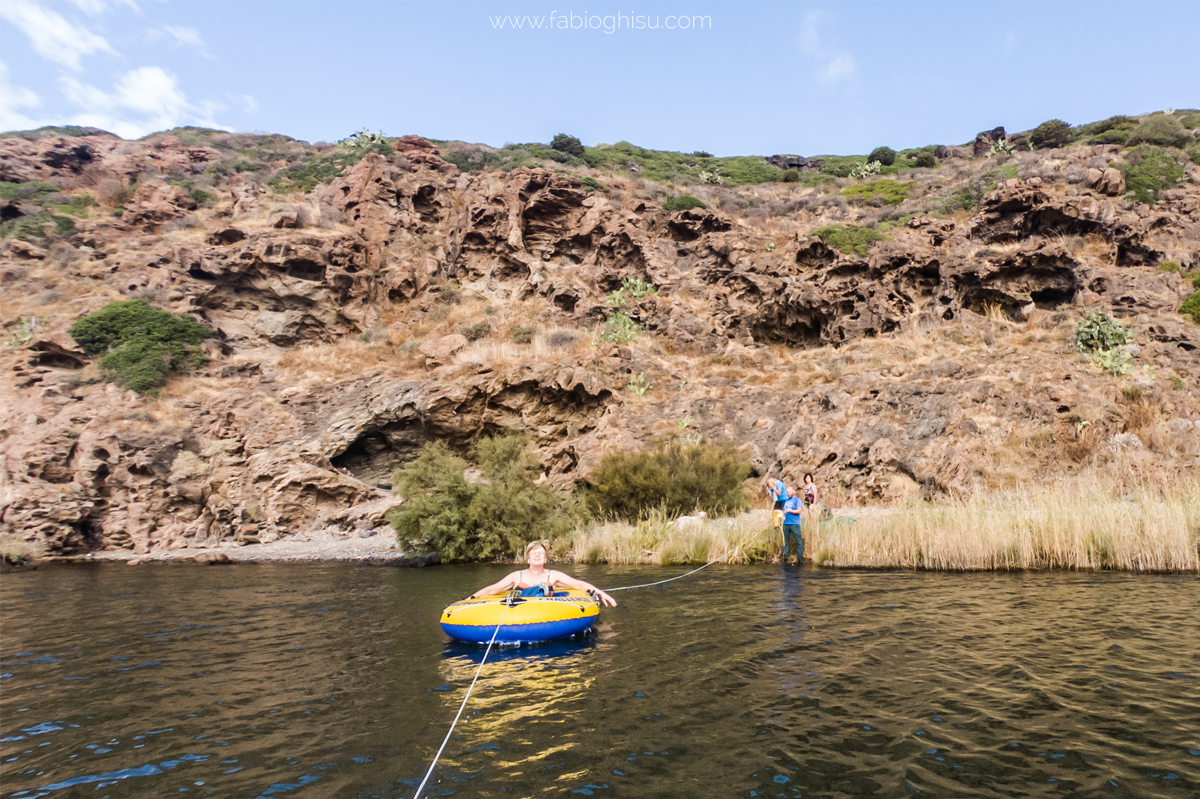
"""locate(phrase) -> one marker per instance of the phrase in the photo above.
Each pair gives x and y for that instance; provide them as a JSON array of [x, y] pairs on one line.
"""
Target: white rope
[[680, 577], [463, 706]]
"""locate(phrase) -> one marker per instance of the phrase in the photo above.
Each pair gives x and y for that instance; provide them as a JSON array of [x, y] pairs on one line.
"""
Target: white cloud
[[180, 36], [833, 65], [97, 7], [245, 101], [841, 67], [53, 37], [144, 100], [12, 100]]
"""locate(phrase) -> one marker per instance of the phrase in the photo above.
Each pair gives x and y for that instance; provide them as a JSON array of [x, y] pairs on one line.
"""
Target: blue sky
[[741, 78]]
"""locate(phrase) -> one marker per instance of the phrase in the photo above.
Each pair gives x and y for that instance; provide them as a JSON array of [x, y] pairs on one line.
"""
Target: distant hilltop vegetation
[[213, 337]]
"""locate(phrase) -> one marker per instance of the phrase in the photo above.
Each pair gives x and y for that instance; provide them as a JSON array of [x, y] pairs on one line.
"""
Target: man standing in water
[[793, 524], [537, 580]]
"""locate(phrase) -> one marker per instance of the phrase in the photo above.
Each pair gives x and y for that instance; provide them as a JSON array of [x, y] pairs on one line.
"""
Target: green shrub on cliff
[[676, 476], [1162, 130], [1101, 337], [683, 202], [141, 345], [886, 156], [567, 144], [891, 192], [1149, 171], [490, 518], [1191, 306], [1051, 134], [317, 169], [849, 238]]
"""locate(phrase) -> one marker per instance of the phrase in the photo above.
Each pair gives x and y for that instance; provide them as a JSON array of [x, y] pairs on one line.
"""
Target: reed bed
[[1065, 527], [658, 540]]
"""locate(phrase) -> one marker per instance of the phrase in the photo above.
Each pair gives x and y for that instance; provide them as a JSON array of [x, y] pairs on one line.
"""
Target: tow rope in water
[[680, 577], [496, 632], [463, 706]]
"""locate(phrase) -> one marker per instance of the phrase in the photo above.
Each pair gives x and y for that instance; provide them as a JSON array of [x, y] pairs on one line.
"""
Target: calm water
[[335, 681]]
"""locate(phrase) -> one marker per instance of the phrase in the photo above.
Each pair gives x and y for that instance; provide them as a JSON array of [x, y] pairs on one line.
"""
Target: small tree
[[884, 155], [567, 144], [1051, 134], [475, 521]]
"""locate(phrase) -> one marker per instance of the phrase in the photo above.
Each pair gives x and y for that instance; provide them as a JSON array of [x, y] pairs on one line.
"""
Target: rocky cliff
[[404, 300]]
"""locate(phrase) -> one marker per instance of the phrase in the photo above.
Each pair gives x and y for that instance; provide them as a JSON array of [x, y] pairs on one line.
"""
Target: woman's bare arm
[[507, 584], [558, 578]]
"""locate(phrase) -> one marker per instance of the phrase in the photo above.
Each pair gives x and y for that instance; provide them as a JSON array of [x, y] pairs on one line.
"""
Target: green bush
[[477, 331], [926, 160], [33, 192], [523, 335], [1051, 134], [592, 184], [1110, 137], [494, 517], [1162, 130], [36, 228], [682, 203], [884, 155], [1098, 332], [1149, 171], [567, 144], [848, 239], [1168, 266], [1119, 123], [141, 345], [1191, 306], [1190, 121], [675, 475], [619, 329], [892, 192], [317, 169]]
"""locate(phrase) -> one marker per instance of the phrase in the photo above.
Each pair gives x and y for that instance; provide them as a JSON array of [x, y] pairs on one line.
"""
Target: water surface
[[335, 681]]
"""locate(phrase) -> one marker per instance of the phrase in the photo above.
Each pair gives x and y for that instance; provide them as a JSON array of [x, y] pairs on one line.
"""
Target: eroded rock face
[[255, 456]]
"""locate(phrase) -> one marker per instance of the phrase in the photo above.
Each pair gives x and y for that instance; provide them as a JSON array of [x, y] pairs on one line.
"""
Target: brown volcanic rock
[[257, 451], [985, 140], [155, 203], [52, 157]]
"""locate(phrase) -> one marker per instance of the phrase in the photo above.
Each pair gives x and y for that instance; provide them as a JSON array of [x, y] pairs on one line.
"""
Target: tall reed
[[1064, 527], [1069, 526]]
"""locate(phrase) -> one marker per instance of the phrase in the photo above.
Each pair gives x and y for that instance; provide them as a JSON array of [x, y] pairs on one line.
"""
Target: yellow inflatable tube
[[520, 618]]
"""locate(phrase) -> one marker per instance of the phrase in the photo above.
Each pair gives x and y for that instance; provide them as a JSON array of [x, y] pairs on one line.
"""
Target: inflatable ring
[[521, 619]]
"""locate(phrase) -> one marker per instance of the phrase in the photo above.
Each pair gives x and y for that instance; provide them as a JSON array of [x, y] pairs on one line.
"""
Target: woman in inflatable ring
[[537, 580]]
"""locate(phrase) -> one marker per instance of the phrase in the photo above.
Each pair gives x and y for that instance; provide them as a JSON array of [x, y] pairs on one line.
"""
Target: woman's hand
[[606, 599]]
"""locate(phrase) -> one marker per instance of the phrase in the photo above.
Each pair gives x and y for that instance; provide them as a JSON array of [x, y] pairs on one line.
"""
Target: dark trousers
[[792, 531]]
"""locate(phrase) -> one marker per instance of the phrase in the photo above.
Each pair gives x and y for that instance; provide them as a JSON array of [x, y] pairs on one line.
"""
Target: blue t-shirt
[[791, 510], [779, 491]]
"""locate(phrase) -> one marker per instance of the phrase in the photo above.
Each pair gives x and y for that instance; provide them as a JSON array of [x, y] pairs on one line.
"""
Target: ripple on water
[[335, 680]]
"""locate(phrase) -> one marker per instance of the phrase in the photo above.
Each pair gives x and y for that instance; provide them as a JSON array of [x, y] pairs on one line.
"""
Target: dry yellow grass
[[1072, 526], [657, 540]]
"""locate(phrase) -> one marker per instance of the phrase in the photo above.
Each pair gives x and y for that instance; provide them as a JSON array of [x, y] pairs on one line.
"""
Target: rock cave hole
[[378, 451]]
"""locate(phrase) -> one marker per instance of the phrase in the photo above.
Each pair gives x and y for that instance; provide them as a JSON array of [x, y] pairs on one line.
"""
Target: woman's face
[[537, 556], [807, 479]]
